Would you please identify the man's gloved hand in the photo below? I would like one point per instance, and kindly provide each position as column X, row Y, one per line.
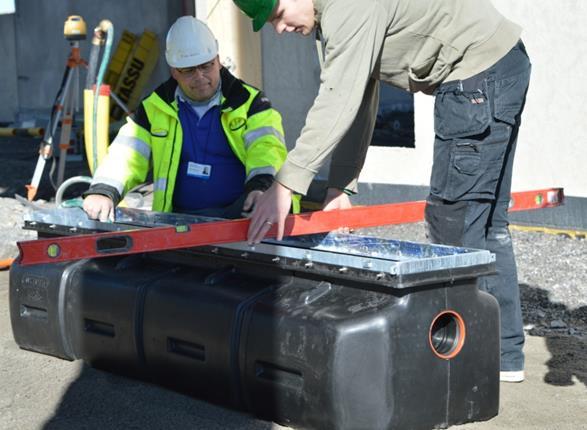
column 99, row 207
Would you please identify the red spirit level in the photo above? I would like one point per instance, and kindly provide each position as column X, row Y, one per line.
column 69, row 248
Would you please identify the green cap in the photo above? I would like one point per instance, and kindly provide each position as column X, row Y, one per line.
column 258, row 10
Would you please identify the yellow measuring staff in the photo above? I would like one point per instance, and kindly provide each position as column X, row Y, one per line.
column 119, row 58
column 136, row 72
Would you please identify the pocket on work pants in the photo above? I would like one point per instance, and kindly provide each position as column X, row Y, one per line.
column 510, row 97
column 469, row 147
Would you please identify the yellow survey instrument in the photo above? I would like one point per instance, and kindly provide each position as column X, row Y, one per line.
column 74, row 28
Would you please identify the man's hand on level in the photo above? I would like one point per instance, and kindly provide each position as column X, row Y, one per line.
column 99, row 207
column 270, row 209
column 251, row 202
column 336, row 199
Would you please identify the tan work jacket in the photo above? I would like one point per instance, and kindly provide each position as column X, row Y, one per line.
column 410, row 44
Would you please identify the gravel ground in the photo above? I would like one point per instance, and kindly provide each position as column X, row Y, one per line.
column 11, row 213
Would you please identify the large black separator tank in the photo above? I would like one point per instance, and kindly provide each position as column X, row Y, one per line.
column 319, row 332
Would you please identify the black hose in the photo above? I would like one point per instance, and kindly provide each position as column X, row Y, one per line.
column 97, row 42
column 92, row 66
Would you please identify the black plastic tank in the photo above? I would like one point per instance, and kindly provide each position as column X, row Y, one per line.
column 310, row 337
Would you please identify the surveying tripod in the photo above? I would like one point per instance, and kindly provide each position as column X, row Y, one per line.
column 66, row 103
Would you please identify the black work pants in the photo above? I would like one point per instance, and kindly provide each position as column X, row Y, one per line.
column 476, row 126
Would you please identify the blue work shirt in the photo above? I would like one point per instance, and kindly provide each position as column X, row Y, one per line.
column 209, row 174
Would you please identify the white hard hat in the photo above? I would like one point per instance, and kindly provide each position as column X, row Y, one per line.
column 189, row 43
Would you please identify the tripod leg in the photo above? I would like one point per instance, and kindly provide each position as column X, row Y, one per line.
column 32, row 188
column 66, row 126
column 46, row 149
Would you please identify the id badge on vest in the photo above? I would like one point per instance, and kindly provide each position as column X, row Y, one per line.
column 200, row 171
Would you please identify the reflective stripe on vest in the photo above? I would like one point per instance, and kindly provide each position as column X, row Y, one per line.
column 160, row 184
column 261, row 171
column 135, row 144
column 250, row 136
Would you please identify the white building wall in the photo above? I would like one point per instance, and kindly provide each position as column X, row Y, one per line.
column 552, row 146
column 553, row 142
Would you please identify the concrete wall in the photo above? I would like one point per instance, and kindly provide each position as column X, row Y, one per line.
column 8, row 83
column 552, row 149
column 41, row 49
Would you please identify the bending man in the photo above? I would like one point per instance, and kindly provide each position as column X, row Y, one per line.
column 466, row 54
